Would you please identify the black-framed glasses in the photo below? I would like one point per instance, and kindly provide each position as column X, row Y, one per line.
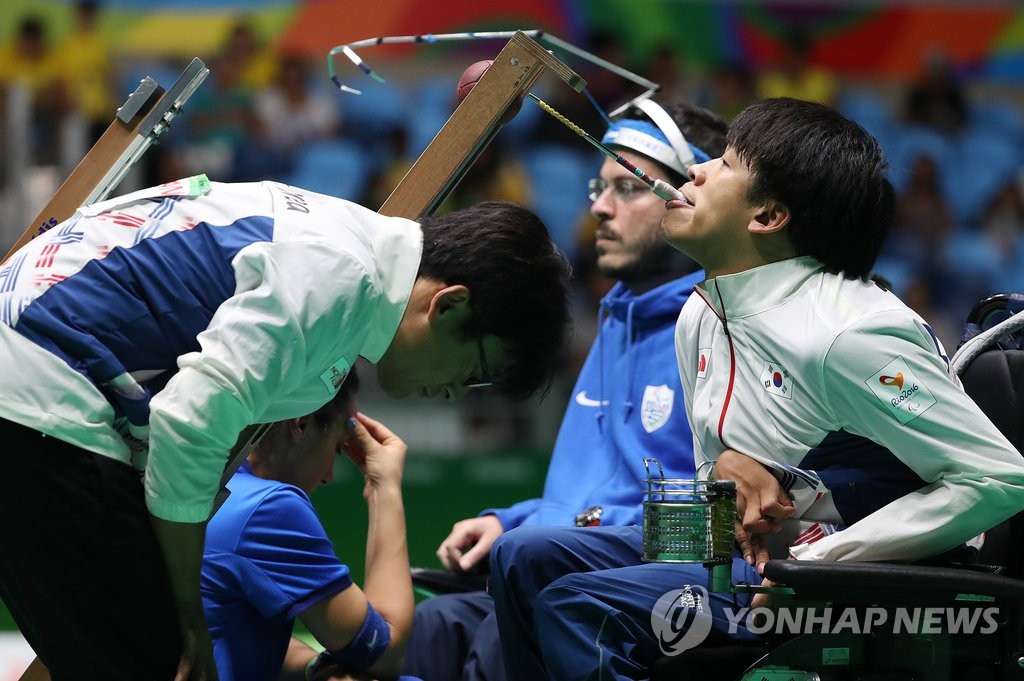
column 484, row 380
column 623, row 188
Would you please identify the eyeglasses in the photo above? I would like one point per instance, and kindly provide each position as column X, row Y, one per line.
column 625, row 190
column 484, row 380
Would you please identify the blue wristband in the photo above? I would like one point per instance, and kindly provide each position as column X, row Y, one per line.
column 366, row 648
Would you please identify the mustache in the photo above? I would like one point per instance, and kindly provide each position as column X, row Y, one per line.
column 604, row 232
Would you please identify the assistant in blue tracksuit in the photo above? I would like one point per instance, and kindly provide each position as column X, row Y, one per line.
column 626, row 405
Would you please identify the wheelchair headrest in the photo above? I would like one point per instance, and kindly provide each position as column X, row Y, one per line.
column 995, row 380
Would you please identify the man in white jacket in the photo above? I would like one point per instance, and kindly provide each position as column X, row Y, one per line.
column 827, row 400
column 142, row 335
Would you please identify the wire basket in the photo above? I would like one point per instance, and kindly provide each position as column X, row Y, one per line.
column 688, row 521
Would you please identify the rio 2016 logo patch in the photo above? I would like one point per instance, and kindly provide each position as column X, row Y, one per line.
column 900, row 391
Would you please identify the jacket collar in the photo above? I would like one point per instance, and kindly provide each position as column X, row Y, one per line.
column 397, row 247
column 760, row 288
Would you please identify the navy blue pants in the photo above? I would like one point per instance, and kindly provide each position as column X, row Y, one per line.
column 455, row 638
column 577, row 603
column 80, row 568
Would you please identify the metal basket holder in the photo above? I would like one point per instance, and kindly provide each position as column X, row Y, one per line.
column 694, row 521
column 690, row 521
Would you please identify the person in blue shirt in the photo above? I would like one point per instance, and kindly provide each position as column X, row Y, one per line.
column 268, row 560
column 627, row 403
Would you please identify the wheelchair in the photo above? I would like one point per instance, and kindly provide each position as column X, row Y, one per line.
column 966, row 587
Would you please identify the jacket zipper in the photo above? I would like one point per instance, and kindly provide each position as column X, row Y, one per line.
column 732, row 361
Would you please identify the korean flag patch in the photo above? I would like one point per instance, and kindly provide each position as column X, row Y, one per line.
column 776, row 380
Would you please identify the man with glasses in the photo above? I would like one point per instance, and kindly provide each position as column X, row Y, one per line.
column 139, row 338
column 627, row 403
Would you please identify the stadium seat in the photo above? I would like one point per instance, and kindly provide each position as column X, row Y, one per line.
column 338, row 168
column 433, row 101
column 558, row 178
column 999, row 118
column 908, row 143
column 373, row 114
column 869, row 110
column 985, row 162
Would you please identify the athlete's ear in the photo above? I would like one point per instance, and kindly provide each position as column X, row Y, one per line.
column 448, row 301
column 770, row 218
column 296, row 427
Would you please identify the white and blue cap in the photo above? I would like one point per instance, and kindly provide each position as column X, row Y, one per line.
column 661, row 140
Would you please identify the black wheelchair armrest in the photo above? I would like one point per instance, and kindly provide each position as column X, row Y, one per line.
column 446, row 581
column 890, row 582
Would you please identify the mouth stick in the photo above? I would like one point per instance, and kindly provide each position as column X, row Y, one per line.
column 661, row 189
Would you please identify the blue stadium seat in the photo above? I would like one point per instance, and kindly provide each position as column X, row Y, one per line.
column 908, row 142
column 373, row 114
column 1001, row 118
column 558, row 178
column 869, row 110
column 338, row 168
column 431, row 103
column 520, row 129
column 985, row 162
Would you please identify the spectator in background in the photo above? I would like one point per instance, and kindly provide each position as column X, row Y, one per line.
column 1002, row 224
column 396, row 163
column 496, row 176
column 666, row 69
column 257, row 65
column 924, row 219
column 914, row 255
column 290, row 114
column 730, row 90
column 220, row 118
column 919, row 296
column 936, row 99
column 291, row 111
column 796, row 75
column 29, row 62
column 603, row 85
column 990, row 259
column 85, row 64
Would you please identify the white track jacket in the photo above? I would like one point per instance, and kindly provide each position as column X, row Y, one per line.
column 846, row 395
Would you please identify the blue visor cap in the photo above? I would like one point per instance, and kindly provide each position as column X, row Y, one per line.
column 648, row 139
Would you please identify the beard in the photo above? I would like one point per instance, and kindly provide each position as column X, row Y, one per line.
column 652, row 261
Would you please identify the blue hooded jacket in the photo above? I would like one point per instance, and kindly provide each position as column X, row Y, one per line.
column 627, row 405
